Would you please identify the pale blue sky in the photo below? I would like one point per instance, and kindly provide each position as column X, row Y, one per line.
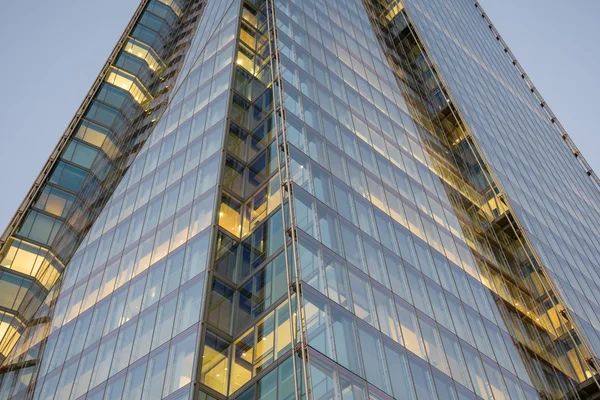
column 53, row 50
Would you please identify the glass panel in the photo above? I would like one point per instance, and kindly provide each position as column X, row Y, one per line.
column 364, row 306
column 135, row 381
column 346, row 341
column 214, row 363
column 181, row 363
column 423, row 380
column 400, row 372
column 373, row 358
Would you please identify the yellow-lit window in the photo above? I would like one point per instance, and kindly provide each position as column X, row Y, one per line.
column 246, row 61
column 241, row 364
column 55, row 205
column 130, row 83
column 274, row 195
column 250, row 17
column 91, row 133
column 262, row 204
column 265, row 340
column 248, row 36
column 54, row 201
column 49, row 274
column 8, row 334
column 230, row 215
column 394, row 9
column 214, row 363
column 145, row 52
column 258, row 347
column 283, row 335
column 30, row 259
column 99, row 137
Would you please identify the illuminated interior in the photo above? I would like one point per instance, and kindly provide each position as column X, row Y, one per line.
column 256, row 348
column 145, row 52
column 130, row 83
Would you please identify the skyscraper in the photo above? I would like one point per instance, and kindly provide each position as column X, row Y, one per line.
column 286, row 199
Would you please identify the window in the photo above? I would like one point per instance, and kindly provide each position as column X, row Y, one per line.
column 220, row 309
column 164, row 321
column 337, row 280
column 143, row 335
column 181, row 363
column 423, row 380
column 190, row 304
column 410, row 330
column 401, row 377
column 386, row 311
column 105, row 355
column 135, row 381
column 372, row 352
column 433, row 344
column 123, row 349
column 375, row 263
column 214, row 363
column 346, row 340
column 364, row 307
column 318, row 326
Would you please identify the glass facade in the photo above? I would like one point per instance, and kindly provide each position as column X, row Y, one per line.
column 342, row 199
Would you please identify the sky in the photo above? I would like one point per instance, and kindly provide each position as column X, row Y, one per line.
column 53, row 50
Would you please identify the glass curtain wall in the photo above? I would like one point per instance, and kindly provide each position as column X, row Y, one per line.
column 404, row 265
column 126, row 321
column 250, row 316
column 108, row 130
column 313, row 216
column 553, row 197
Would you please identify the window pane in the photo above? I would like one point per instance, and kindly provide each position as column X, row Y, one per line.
column 337, row 280
column 143, row 335
column 372, row 352
column 318, row 326
column 190, row 304
column 346, row 343
column 423, row 380
column 123, row 349
column 364, row 306
column 164, row 321
column 400, row 372
column 135, row 382
column 214, row 363
column 181, row 363
column 410, row 330
column 386, row 312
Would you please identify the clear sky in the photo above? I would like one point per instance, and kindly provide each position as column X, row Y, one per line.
column 53, row 50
